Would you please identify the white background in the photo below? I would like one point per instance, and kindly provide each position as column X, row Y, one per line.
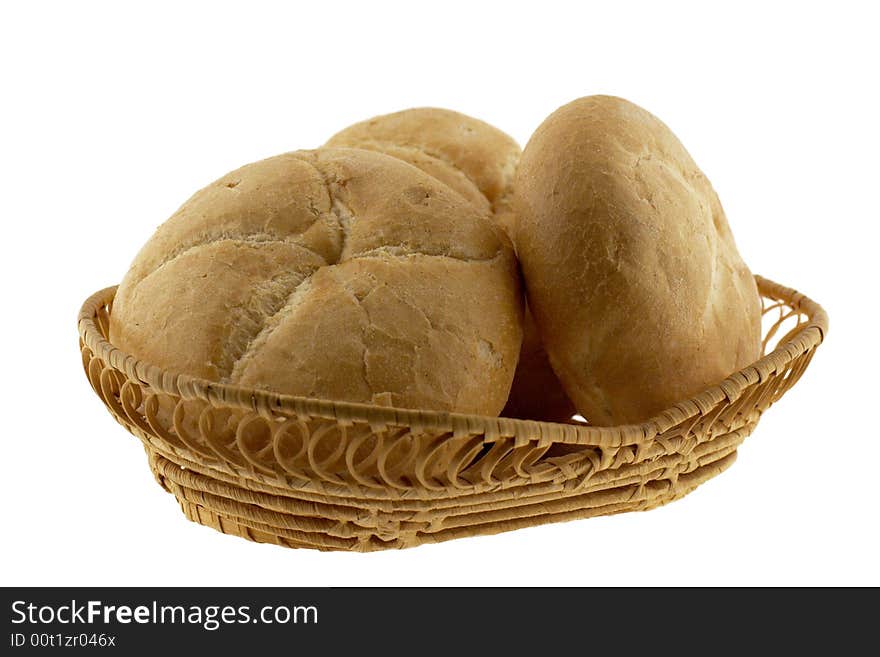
column 112, row 116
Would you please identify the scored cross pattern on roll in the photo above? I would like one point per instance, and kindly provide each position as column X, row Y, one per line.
column 336, row 273
column 479, row 162
column 380, row 269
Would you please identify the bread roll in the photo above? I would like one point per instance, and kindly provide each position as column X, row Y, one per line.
column 337, row 273
column 479, row 162
column 630, row 267
column 470, row 156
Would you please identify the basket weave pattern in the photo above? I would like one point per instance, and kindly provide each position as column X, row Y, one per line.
column 330, row 475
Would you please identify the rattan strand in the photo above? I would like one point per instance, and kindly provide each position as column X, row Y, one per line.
column 330, row 475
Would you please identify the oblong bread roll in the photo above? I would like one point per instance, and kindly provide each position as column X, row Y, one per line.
column 630, row 267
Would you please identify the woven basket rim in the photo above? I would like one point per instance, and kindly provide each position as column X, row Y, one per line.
column 809, row 335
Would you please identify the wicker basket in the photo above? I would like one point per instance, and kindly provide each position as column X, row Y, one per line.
column 302, row 472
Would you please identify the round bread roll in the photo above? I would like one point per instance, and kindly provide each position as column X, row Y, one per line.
column 472, row 157
column 479, row 162
column 630, row 268
column 337, row 273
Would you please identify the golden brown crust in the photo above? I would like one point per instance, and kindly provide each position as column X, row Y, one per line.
column 459, row 150
column 335, row 273
column 630, row 267
column 479, row 162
